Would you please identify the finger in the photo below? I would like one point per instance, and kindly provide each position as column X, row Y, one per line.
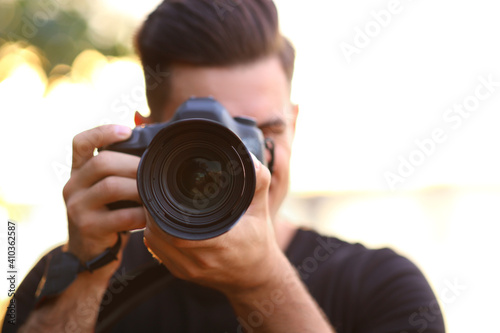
column 111, row 189
column 125, row 219
column 97, row 230
column 107, row 163
column 262, row 175
column 178, row 264
column 184, row 245
column 263, row 181
column 86, row 142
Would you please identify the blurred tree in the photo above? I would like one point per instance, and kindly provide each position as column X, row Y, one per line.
column 59, row 28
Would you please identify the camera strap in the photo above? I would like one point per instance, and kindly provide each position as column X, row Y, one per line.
column 270, row 147
column 63, row 268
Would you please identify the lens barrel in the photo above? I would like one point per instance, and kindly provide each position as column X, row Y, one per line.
column 196, row 179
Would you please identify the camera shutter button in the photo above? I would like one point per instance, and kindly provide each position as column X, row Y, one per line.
column 246, row 120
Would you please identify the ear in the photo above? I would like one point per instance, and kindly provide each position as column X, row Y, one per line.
column 294, row 115
column 139, row 119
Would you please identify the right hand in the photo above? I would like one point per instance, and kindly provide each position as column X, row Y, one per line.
column 96, row 181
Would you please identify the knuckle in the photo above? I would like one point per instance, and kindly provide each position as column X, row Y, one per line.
column 78, row 138
column 84, row 223
column 89, row 140
column 96, row 136
column 81, row 147
column 263, row 179
column 67, row 191
column 109, row 185
column 100, row 162
column 105, row 185
column 72, row 208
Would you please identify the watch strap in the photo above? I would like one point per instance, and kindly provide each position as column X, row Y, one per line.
column 63, row 268
column 109, row 255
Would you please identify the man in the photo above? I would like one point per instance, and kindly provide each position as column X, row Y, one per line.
column 264, row 275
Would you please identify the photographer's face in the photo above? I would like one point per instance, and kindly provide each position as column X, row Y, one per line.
column 259, row 90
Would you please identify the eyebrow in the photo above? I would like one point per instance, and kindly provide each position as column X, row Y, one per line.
column 275, row 122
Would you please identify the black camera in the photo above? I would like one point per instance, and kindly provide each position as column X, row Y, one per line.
column 196, row 176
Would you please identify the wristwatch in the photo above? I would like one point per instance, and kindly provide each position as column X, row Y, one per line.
column 63, row 268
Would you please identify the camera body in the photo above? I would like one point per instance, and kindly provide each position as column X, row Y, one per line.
column 204, row 109
column 196, row 176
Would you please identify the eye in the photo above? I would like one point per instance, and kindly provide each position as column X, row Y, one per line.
column 272, row 131
column 273, row 128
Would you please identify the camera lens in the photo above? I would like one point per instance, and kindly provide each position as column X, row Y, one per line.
column 197, row 175
column 196, row 179
column 200, row 178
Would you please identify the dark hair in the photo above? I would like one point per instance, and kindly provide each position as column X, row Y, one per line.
column 207, row 33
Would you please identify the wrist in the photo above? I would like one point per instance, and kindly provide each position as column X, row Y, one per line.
column 76, row 307
column 278, row 276
column 63, row 268
column 281, row 305
column 87, row 250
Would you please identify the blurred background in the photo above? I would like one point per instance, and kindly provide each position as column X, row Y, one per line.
column 396, row 143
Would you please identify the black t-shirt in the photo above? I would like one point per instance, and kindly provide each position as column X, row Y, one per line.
column 359, row 289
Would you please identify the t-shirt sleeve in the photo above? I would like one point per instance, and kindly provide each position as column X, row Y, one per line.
column 395, row 297
column 24, row 298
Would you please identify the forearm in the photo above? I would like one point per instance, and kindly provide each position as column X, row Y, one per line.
column 76, row 309
column 284, row 305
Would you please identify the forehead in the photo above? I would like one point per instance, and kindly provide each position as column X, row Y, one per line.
column 259, row 90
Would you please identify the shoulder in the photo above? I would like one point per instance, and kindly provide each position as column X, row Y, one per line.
column 310, row 250
column 362, row 289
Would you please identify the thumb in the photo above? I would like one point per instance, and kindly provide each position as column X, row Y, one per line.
column 262, row 178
